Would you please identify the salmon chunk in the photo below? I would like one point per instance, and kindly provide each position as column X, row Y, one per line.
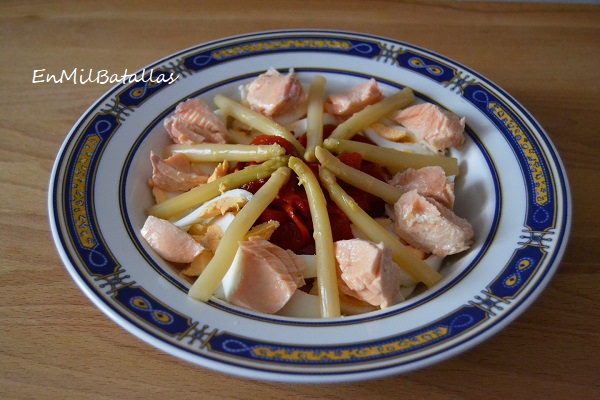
column 346, row 103
column 438, row 128
column 277, row 96
column 175, row 173
column 367, row 272
column 170, row 242
column 427, row 225
column 428, row 182
column 193, row 122
column 263, row 276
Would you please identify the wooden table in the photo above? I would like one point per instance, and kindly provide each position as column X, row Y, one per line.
column 55, row 344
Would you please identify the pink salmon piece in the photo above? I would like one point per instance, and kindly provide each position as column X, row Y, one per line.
column 439, row 128
column 351, row 101
column 428, row 182
column 367, row 272
column 193, row 123
column 170, row 242
column 175, row 173
column 268, row 276
column 276, row 95
column 428, row 225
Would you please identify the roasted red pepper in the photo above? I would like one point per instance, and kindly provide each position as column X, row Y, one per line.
column 290, row 234
column 291, row 208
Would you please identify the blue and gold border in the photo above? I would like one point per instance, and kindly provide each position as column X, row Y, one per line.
column 72, row 200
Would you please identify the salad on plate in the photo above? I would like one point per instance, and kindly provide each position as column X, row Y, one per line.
column 296, row 201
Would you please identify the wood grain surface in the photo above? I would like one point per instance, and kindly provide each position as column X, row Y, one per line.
column 54, row 343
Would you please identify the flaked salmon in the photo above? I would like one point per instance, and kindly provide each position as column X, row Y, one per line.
column 263, row 276
column 175, row 173
column 348, row 102
column 277, row 96
column 438, row 128
column 193, row 122
column 367, row 272
column 170, row 242
column 426, row 224
column 428, row 181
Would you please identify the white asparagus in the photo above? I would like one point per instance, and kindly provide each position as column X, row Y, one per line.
column 392, row 158
column 256, row 120
column 415, row 267
column 195, row 197
column 314, row 116
column 325, row 253
column 390, row 194
column 373, row 113
column 230, row 152
column 206, row 284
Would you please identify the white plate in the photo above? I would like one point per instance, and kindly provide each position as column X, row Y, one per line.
column 512, row 188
